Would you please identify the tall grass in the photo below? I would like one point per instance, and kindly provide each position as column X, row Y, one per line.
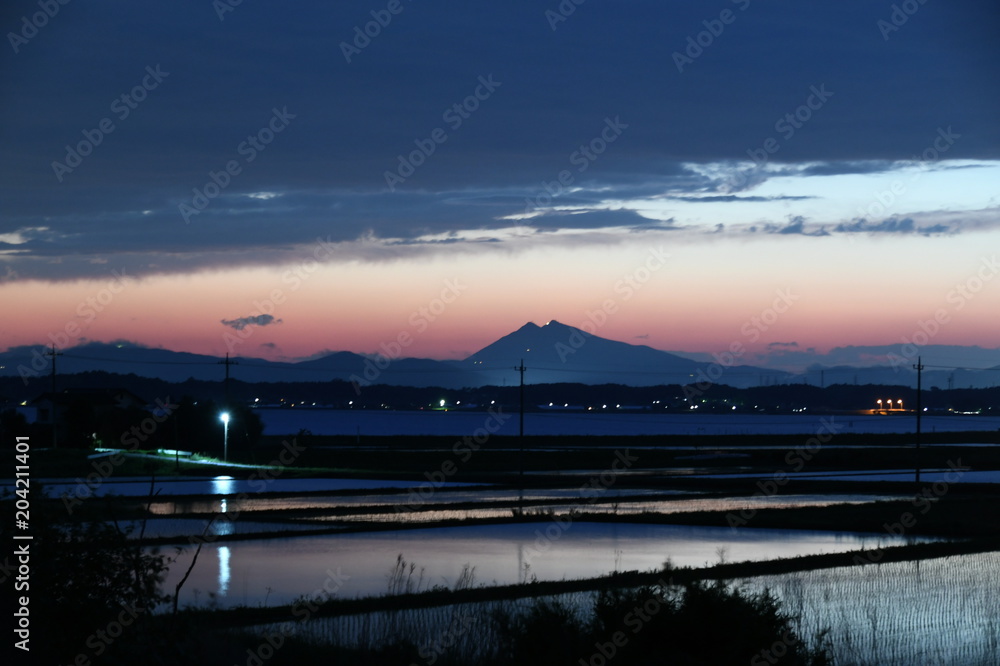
column 940, row 611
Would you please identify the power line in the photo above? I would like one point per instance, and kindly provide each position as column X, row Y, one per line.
column 55, row 407
column 228, row 363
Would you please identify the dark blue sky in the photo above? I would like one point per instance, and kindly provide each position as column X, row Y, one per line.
column 224, row 77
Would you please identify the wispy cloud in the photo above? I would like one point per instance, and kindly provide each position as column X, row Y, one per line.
column 258, row 320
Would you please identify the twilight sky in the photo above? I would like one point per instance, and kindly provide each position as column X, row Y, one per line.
column 793, row 177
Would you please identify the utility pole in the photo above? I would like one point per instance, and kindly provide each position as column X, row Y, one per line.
column 228, row 363
column 55, row 407
column 228, row 410
column 919, row 367
column 520, row 456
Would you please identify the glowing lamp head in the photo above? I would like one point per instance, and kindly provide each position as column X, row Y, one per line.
column 224, row 417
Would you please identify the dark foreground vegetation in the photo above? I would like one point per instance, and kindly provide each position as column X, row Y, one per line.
column 97, row 592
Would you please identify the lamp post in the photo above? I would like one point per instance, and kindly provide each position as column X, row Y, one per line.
column 225, row 435
column 879, row 401
column 900, row 403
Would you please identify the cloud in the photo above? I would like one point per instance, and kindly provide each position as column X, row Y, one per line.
column 893, row 226
column 688, row 139
column 731, row 198
column 797, row 226
column 848, row 167
column 590, row 219
column 254, row 320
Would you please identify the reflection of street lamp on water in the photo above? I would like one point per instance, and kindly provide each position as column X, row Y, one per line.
column 225, row 435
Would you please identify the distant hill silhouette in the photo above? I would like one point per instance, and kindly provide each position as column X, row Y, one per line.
column 553, row 353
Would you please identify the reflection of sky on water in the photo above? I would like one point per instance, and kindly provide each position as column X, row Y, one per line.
column 188, row 527
column 625, row 507
column 377, row 499
column 934, row 611
column 500, row 553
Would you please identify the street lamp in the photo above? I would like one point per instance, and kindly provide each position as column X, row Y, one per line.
column 879, row 401
column 900, row 403
column 225, row 435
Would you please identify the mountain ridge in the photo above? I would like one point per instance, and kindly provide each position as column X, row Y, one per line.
column 552, row 353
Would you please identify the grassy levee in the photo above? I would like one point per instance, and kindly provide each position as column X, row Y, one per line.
column 246, row 616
